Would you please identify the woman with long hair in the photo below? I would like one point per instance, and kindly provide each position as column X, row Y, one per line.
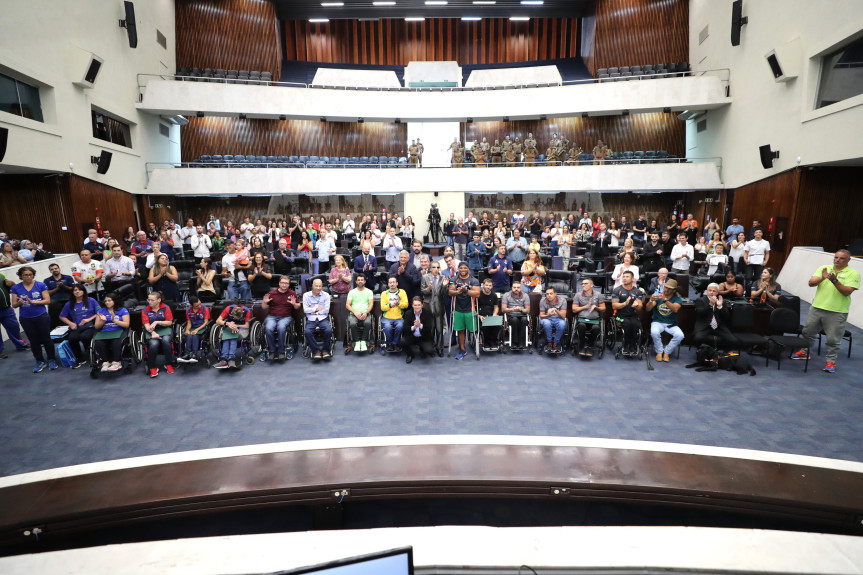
column 407, row 228
column 163, row 277
column 9, row 256
column 627, row 265
column 735, row 254
column 79, row 314
column 596, row 223
column 628, row 248
column 340, row 276
column 532, row 271
column 205, row 280
column 157, row 322
column 111, row 317
column 715, row 239
column 766, row 289
column 565, row 242
column 368, row 238
column 258, row 248
column 614, row 232
column 129, row 237
column 32, row 299
column 259, row 276
column 306, row 245
column 584, row 233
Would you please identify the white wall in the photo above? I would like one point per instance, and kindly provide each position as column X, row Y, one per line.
column 419, row 204
column 767, row 112
column 44, row 43
column 168, row 96
column 436, row 138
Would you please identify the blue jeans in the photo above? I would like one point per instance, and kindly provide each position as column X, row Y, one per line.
column 9, row 320
column 193, row 343
column 392, row 330
column 324, row 325
column 276, row 325
column 229, row 348
column 656, row 329
column 239, row 290
column 556, row 322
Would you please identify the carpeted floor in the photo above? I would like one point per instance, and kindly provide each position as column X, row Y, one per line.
column 60, row 418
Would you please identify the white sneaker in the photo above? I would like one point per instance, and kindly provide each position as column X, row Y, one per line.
column 106, row 366
column 116, row 366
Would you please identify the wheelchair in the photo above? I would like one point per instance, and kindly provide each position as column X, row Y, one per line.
column 598, row 346
column 544, row 346
column 497, row 344
column 131, row 354
column 248, row 344
column 203, row 353
column 371, row 339
column 289, row 344
column 508, row 334
column 615, row 339
column 176, row 331
column 381, row 339
column 318, row 335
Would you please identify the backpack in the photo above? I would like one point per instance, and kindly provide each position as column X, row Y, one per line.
column 65, row 357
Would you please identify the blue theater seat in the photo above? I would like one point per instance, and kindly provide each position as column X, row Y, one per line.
column 303, row 159
column 638, row 156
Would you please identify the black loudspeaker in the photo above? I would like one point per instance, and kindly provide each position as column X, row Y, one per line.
column 129, row 24
column 737, row 21
column 4, row 138
column 774, row 66
column 767, row 156
column 103, row 161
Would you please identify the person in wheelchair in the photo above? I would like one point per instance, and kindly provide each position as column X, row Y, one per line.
column 316, row 306
column 79, row 314
column 463, row 287
column 236, row 320
column 393, row 303
column 552, row 317
column 488, row 306
column 112, row 324
column 280, row 303
column 664, row 307
column 197, row 320
column 158, row 321
column 587, row 305
column 419, row 332
column 626, row 301
column 516, row 307
column 359, row 305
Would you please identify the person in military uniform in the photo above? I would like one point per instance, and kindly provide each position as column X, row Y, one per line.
column 496, row 153
column 554, row 141
column 530, row 142
column 530, row 156
column 420, row 149
column 600, row 151
column 574, row 152
column 480, row 156
column 509, row 156
column 485, row 146
column 517, row 148
column 551, row 156
column 454, row 146
column 506, row 145
column 413, row 153
column 458, row 157
column 562, row 146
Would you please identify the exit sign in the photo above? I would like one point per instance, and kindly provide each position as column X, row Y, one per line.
column 163, row 205
column 708, row 200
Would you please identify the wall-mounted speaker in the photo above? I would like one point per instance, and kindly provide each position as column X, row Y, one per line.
column 4, row 138
column 91, row 64
column 102, row 161
column 129, row 24
column 737, row 21
column 784, row 61
column 767, row 156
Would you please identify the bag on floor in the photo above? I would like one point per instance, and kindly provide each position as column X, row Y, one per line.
column 65, row 357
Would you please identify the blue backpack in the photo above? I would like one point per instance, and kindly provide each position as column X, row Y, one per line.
column 65, row 357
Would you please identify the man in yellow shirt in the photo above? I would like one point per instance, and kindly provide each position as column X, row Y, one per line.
column 393, row 303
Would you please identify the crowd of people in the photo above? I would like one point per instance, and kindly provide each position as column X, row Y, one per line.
column 515, row 152
column 14, row 252
column 490, row 265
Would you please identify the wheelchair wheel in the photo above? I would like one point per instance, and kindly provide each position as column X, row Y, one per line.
column 128, row 368
column 256, row 338
column 250, row 360
column 215, row 337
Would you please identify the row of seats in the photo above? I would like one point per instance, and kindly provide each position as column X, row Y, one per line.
column 224, row 76
column 586, row 159
column 624, row 73
column 241, row 161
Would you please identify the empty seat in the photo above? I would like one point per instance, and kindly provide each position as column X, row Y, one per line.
column 354, row 160
column 638, row 156
column 614, row 75
column 325, row 159
column 650, row 155
column 314, row 159
column 635, row 70
column 603, row 76
column 628, row 157
column 403, row 162
column 206, row 159
column 239, row 159
column 229, row 159
column 364, row 159
column 662, row 155
column 626, row 74
column 254, row 74
column 647, row 68
column 671, row 67
column 220, row 71
column 373, row 159
column 234, row 72
column 208, row 70
column 624, row 70
column 614, row 70
column 602, row 71
column 303, row 159
column 293, row 159
column 271, row 159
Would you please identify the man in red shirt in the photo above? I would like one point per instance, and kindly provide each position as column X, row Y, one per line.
column 280, row 303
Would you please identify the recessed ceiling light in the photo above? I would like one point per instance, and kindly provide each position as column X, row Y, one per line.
column 470, row 18
column 415, row 19
column 332, row 4
column 436, row 2
column 383, row 3
column 519, row 18
column 319, row 20
column 531, row 2
column 480, row 2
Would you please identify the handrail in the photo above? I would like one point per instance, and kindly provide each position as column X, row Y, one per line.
column 585, row 81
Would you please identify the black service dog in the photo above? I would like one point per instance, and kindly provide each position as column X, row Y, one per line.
column 709, row 359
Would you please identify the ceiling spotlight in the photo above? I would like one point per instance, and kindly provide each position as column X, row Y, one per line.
column 667, row 110
column 383, row 3
column 531, row 2
column 585, row 115
column 200, row 114
column 436, row 2
column 242, row 116
column 360, row 120
column 626, row 112
column 332, row 4
column 506, row 118
column 486, row 2
column 519, row 18
column 282, row 117
column 470, row 18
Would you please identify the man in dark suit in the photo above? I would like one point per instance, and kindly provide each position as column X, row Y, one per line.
column 711, row 320
column 283, row 258
column 367, row 265
column 407, row 275
column 418, row 330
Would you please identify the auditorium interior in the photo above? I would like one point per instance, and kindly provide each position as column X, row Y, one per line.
column 501, row 463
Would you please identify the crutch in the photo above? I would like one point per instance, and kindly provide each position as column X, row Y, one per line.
column 450, row 326
column 476, row 324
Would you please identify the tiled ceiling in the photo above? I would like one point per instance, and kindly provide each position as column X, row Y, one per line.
column 356, row 9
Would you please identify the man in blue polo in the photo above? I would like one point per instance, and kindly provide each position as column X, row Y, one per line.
column 500, row 269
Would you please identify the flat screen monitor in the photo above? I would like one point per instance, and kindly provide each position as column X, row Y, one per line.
column 393, row 562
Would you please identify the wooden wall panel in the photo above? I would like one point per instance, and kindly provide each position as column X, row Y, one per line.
column 638, row 32
column 390, row 42
column 37, row 208
column 291, row 137
column 229, row 34
column 829, row 207
column 588, row 37
column 656, row 131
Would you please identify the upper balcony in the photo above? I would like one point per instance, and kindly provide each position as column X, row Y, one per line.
column 165, row 95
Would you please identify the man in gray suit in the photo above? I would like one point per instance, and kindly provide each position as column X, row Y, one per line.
column 433, row 287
